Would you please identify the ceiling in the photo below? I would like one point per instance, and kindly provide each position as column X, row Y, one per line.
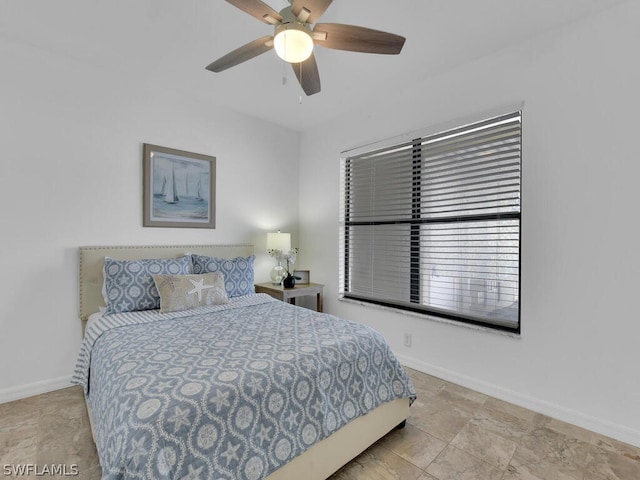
column 170, row 42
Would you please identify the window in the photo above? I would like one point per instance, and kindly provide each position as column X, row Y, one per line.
column 432, row 225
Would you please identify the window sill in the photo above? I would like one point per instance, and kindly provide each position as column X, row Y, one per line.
column 430, row 317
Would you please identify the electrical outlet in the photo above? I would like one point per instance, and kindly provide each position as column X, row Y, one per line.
column 407, row 340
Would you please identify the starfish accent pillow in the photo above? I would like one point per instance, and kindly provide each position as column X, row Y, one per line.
column 182, row 292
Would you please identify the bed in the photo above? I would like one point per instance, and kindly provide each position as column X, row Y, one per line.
column 250, row 388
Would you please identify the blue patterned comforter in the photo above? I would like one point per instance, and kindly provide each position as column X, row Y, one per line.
column 228, row 392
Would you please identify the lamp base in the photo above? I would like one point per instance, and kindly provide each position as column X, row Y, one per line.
column 277, row 274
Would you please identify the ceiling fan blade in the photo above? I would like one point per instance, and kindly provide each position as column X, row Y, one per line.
column 315, row 9
column 259, row 10
column 307, row 74
column 242, row 54
column 357, row 39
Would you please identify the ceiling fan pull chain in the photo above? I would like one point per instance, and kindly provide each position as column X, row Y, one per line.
column 300, row 97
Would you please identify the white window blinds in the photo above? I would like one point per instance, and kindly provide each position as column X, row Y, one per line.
column 433, row 225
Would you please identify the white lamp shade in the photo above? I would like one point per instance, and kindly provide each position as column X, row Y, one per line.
column 293, row 43
column 279, row 241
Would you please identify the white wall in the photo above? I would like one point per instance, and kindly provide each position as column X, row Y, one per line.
column 577, row 358
column 71, row 174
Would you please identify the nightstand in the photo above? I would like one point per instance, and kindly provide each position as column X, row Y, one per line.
column 289, row 294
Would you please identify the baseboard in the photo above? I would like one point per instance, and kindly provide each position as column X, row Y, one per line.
column 36, row 388
column 603, row 427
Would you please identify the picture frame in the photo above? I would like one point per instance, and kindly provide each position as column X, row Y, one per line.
column 303, row 275
column 178, row 188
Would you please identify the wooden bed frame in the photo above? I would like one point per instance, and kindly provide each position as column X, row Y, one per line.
column 321, row 460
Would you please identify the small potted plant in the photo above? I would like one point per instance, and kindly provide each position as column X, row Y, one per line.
column 289, row 280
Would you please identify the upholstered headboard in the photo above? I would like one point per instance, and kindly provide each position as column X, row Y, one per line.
column 92, row 260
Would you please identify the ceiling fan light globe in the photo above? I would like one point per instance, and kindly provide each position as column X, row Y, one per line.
column 293, row 43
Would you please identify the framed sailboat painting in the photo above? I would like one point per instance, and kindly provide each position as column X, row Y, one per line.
column 178, row 188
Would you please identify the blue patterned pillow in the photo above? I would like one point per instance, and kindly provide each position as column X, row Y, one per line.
column 129, row 284
column 238, row 272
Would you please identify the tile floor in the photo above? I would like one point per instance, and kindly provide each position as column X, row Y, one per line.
column 453, row 433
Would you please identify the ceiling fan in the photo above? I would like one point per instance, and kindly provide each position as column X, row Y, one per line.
column 296, row 32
